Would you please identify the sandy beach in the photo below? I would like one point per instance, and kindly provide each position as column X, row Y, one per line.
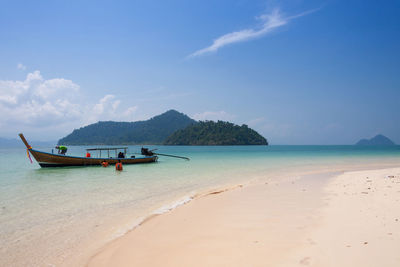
column 199, row 133
column 325, row 219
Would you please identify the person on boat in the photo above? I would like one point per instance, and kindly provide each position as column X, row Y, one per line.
column 121, row 155
column 62, row 149
column 88, row 155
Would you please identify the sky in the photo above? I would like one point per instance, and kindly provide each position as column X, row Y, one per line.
column 298, row 72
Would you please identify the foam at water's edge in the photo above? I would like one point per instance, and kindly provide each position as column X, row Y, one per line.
column 125, row 229
column 166, row 208
column 173, row 205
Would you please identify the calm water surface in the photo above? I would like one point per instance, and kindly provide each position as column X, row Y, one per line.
column 47, row 215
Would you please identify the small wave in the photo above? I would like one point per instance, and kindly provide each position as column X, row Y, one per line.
column 173, row 205
column 166, row 208
column 123, row 230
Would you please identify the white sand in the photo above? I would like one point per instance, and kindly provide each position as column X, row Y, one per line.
column 361, row 223
column 351, row 221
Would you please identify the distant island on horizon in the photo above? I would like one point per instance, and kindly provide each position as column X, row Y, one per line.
column 378, row 140
column 169, row 128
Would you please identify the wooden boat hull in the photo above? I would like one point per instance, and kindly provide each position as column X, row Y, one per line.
column 56, row 160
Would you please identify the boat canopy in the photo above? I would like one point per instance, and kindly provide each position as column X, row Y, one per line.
column 108, row 149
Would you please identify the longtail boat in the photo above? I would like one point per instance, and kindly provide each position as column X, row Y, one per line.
column 59, row 160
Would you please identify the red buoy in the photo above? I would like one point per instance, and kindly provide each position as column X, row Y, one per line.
column 104, row 164
column 118, row 166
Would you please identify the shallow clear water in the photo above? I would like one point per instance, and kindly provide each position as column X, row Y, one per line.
column 48, row 214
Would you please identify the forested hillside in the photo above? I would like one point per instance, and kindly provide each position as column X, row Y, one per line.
column 152, row 131
column 216, row 133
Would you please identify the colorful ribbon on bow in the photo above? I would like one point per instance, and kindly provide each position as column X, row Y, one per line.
column 28, row 154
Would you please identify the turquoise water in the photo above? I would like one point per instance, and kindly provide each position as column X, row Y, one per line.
column 47, row 215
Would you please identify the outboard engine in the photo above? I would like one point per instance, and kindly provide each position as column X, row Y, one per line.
column 146, row 152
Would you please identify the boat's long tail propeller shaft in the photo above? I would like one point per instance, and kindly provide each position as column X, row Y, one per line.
column 173, row 156
column 147, row 152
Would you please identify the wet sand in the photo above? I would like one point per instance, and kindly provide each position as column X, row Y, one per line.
column 349, row 219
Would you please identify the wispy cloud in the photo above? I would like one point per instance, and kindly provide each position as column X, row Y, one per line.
column 21, row 66
column 270, row 22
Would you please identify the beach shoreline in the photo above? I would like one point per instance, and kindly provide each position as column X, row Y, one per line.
column 62, row 217
column 303, row 200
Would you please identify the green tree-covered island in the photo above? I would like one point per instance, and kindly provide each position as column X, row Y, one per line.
column 169, row 128
column 216, row 133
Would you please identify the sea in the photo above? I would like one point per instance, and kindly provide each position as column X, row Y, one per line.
column 61, row 216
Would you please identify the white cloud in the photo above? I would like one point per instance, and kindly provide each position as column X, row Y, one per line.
column 106, row 109
column 269, row 22
column 36, row 101
column 21, row 66
column 53, row 105
column 100, row 107
column 129, row 112
column 55, row 88
column 255, row 122
column 213, row 115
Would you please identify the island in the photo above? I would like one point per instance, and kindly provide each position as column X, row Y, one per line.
column 152, row 131
column 169, row 128
column 379, row 140
column 216, row 133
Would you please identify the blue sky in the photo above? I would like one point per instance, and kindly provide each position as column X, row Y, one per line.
column 299, row 72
